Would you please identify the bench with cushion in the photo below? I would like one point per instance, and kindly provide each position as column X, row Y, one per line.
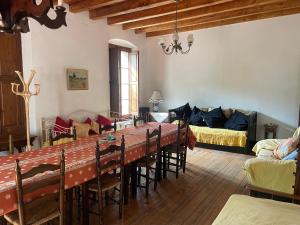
column 270, row 174
column 224, row 129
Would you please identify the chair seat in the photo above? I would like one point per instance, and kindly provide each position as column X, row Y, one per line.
column 109, row 181
column 173, row 149
column 37, row 212
column 142, row 162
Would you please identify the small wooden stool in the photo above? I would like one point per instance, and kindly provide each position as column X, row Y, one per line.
column 270, row 128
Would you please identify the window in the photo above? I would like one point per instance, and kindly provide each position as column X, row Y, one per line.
column 123, row 80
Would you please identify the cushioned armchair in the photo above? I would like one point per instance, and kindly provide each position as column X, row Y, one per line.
column 267, row 174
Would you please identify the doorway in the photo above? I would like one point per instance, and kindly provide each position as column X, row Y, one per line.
column 124, row 80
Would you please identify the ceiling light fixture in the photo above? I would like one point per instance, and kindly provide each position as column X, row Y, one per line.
column 14, row 15
column 176, row 45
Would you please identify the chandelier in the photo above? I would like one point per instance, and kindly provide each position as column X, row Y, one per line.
column 176, row 45
column 14, row 15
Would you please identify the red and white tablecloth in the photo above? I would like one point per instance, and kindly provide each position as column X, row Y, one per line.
column 80, row 160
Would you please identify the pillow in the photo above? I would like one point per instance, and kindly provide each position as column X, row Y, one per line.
column 285, row 147
column 182, row 111
column 196, row 118
column 82, row 129
column 237, row 121
column 102, row 120
column 94, row 126
column 61, row 126
column 227, row 113
column 292, row 156
column 297, row 133
column 214, row 118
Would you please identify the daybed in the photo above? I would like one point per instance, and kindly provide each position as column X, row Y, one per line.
column 237, row 137
column 80, row 117
column 245, row 210
column 269, row 174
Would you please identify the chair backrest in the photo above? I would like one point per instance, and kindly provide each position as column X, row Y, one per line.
column 153, row 143
column 182, row 135
column 114, row 162
column 60, row 136
column 52, row 181
column 142, row 119
column 108, row 127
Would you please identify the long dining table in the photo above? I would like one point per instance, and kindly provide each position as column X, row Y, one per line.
column 80, row 160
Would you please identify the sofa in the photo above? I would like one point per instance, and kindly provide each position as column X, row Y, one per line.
column 219, row 135
column 269, row 173
column 85, row 122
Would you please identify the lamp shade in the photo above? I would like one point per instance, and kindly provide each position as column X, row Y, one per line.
column 156, row 97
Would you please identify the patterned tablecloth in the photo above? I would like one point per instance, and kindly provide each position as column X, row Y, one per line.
column 80, row 161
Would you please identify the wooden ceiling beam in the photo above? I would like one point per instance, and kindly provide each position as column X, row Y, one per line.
column 121, row 7
column 229, row 21
column 161, row 10
column 70, row 1
column 84, row 5
column 194, row 13
column 226, row 15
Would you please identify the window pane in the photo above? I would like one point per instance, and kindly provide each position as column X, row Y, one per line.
column 134, row 98
column 124, row 76
column 125, row 107
column 124, row 59
column 125, row 91
column 133, row 67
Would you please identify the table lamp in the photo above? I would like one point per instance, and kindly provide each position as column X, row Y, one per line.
column 155, row 99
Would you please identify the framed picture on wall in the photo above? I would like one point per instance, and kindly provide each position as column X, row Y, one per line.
column 77, row 79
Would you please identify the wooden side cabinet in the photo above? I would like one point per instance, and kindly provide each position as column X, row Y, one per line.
column 271, row 129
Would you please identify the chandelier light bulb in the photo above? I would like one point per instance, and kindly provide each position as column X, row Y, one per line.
column 190, row 38
column 161, row 41
column 175, row 37
column 60, row 3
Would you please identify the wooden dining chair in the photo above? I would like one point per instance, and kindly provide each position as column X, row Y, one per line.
column 110, row 176
column 152, row 157
column 44, row 209
column 177, row 152
column 140, row 119
column 60, row 136
column 11, row 147
column 108, row 127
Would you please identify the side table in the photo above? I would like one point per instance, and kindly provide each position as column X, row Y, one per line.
column 18, row 141
column 161, row 117
column 270, row 129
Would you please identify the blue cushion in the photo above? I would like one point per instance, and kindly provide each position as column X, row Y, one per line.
column 214, row 118
column 182, row 112
column 196, row 118
column 237, row 121
column 292, row 156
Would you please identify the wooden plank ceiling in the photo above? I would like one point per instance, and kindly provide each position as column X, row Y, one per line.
column 157, row 17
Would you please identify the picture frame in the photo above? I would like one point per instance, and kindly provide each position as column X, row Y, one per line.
column 77, row 79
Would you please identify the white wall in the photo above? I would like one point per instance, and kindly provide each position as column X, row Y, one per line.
column 83, row 45
column 252, row 66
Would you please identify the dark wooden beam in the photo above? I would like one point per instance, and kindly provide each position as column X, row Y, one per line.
column 194, row 13
column 226, row 15
column 70, row 1
column 161, row 10
column 241, row 19
column 84, row 5
column 121, row 7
